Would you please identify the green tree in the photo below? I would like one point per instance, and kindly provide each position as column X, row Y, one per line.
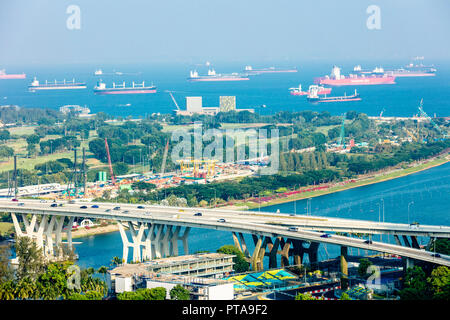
column 7, row 290
column 30, row 258
column 103, row 270
column 25, row 288
column 240, row 264
column 304, row 296
column 345, row 296
column 362, row 268
column 179, row 293
column 439, row 282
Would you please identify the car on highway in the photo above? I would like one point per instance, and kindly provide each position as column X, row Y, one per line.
column 125, row 211
column 436, row 255
column 83, row 207
column 198, row 214
column 325, row 235
column 181, row 210
column 60, row 204
column 221, row 220
column 94, row 206
column 414, row 225
column 116, row 208
column 293, row 229
column 54, row 205
column 71, row 201
column 21, row 204
column 140, row 207
column 108, row 210
column 368, row 241
column 14, row 199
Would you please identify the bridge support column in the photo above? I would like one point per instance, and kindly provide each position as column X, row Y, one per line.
column 46, row 233
column 409, row 263
column 284, row 252
column 297, row 251
column 135, row 243
column 150, row 241
column 344, row 264
column 414, row 242
column 313, row 251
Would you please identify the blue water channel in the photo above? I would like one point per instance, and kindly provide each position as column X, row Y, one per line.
column 422, row 197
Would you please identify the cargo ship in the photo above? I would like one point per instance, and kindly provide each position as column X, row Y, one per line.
column 62, row 85
column 4, row 75
column 336, row 79
column 314, row 97
column 298, row 91
column 411, row 70
column 136, row 88
column 251, row 71
column 213, row 76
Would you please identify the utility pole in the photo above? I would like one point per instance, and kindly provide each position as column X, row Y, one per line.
column 84, row 172
column 15, row 177
column 75, row 182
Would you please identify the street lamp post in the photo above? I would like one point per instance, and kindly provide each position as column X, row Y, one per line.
column 412, row 202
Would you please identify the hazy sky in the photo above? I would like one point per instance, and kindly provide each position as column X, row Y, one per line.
column 35, row 31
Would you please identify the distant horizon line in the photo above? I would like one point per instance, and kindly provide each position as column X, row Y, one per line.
column 200, row 62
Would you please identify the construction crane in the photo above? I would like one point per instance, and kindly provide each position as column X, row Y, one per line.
column 411, row 135
column 424, row 114
column 163, row 165
column 113, row 178
column 341, row 142
column 173, row 99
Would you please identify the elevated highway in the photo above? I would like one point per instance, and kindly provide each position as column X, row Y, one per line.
column 146, row 224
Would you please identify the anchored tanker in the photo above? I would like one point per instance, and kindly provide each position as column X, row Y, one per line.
column 314, row 97
column 4, row 75
column 136, row 88
column 213, row 76
column 62, row 85
column 408, row 71
column 336, row 79
column 250, row 70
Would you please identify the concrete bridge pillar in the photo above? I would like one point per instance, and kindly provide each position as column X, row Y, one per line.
column 344, row 264
column 46, row 233
column 150, row 241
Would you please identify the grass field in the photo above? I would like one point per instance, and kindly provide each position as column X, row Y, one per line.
column 5, row 227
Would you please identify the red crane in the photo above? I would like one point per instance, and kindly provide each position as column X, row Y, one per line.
column 113, row 179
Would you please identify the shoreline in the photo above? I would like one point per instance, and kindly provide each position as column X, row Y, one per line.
column 81, row 232
column 375, row 178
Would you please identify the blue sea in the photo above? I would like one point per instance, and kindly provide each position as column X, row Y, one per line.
column 271, row 90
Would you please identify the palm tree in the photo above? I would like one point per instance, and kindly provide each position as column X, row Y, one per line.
column 103, row 270
column 116, row 261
